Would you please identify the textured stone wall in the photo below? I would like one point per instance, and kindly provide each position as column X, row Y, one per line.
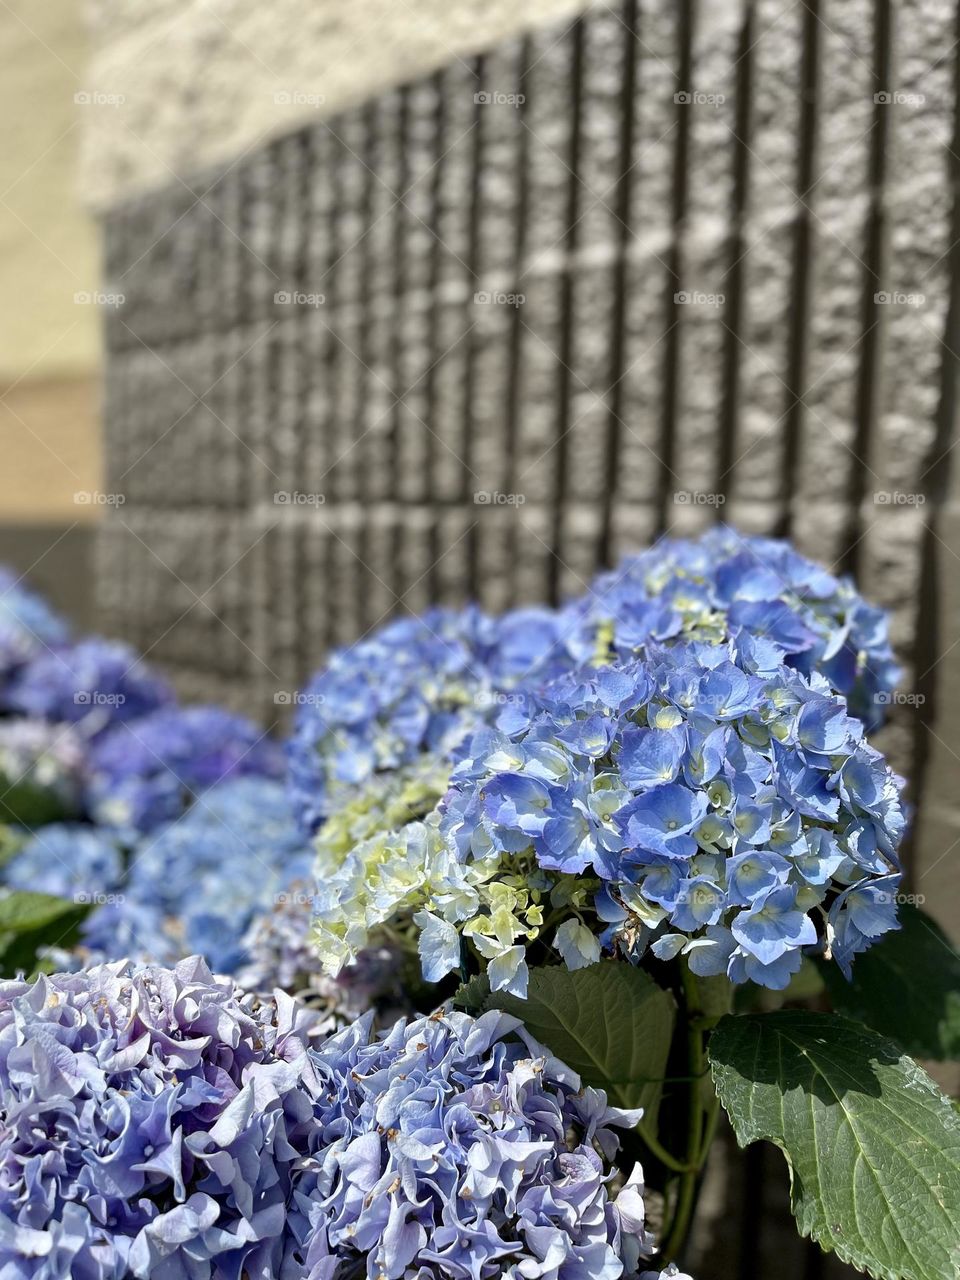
column 180, row 84
column 485, row 331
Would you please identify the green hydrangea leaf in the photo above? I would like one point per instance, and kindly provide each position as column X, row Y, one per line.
column 873, row 1146
column 609, row 1021
column 27, row 804
column 32, row 921
column 472, row 996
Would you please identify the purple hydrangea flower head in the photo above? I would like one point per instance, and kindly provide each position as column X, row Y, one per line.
column 416, row 685
column 145, row 771
column 151, row 1123
column 93, row 683
column 453, row 1147
column 777, row 605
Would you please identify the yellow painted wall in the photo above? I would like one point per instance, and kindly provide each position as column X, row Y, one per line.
column 49, row 335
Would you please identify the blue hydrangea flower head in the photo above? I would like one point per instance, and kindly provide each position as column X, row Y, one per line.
column 196, row 884
column 145, row 771
column 27, row 626
column 416, row 685
column 678, row 804
column 777, row 605
column 93, row 683
column 737, row 818
column 125, row 926
column 68, row 860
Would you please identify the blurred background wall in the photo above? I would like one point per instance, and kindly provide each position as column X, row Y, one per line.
column 50, row 352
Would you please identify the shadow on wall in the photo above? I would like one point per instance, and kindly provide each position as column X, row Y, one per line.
column 57, row 561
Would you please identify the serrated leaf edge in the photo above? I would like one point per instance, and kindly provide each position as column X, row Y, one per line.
column 916, row 1078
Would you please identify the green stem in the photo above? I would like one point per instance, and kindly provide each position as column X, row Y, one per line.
column 662, row 1154
column 710, row 1128
column 698, row 1134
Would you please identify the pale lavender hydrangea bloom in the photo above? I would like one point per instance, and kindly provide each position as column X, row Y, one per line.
column 151, row 1124
column 157, row 1124
column 454, row 1147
